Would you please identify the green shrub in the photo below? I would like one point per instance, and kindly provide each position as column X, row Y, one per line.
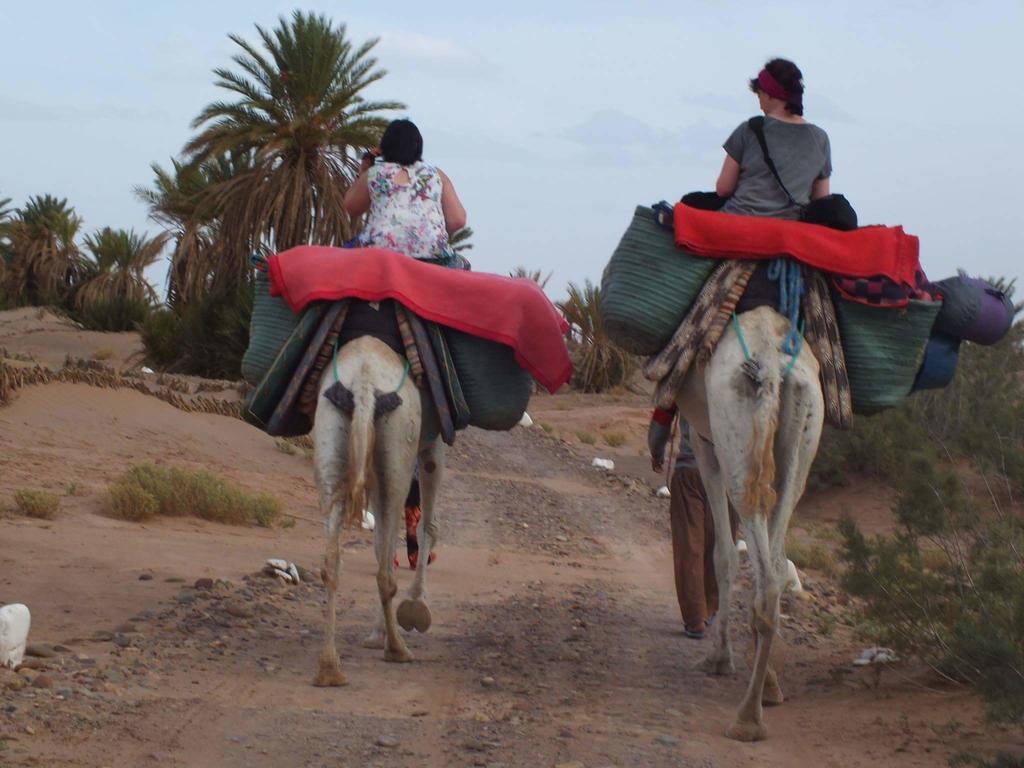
column 113, row 315
column 130, row 501
column 949, row 586
column 39, row 504
column 206, row 338
column 147, row 490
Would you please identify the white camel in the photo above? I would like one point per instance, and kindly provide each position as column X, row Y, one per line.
column 763, row 416
column 367, row 438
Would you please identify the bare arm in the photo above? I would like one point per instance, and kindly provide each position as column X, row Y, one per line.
column 728, row 178
column 451, row 206
column 820, row 188
column 357, row 199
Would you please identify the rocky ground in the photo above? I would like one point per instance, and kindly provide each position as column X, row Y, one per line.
column 556, row 639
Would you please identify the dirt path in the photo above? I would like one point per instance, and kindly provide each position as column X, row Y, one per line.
column 555, row 640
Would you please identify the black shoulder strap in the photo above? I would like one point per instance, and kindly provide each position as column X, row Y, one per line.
column 757, row 126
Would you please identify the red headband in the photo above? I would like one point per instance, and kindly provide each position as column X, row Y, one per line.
column 771, row 86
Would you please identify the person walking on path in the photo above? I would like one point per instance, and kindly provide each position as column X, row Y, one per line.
column 693, row 531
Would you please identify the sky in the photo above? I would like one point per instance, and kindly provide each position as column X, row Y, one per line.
column 555, row 119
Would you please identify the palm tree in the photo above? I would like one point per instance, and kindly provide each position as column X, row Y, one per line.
column 598, row 362
column 299, row 109
column 45, row 262
column 180, row 201
column 5, row 246
column 119, row 261
column 459, row 241
column 532, row 274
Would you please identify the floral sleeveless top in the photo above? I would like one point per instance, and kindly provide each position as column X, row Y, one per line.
column 406, row 218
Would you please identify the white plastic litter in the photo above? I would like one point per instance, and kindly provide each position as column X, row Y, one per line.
column 15, row 620
column 741, row 546
column 793, row 578
column 147, row 370
column 664, row 492
column 526, row 421
column 603, row 464
column 276, row 562
column 369, row 521
column 294, row 573
column 284, row 575
column 875, row 655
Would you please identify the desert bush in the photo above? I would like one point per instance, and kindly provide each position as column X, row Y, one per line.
column 130, row 501
column 599, row 364
column 979, row 417
column 147, row 490
column 206, row 338
column 115, row 314
column 811, row 555
column 948, row 587
column 613, row 439
column 38, row 504
column 586, row 438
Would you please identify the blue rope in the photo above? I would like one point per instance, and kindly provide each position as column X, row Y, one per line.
column 790, row 278
column 739, row 335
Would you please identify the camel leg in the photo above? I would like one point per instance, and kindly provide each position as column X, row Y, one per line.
column 719, row 659
column 329, row 471
column 749, row 723
column 385, row 536
column 796, row 443
column 414, row 612
column 376, row 639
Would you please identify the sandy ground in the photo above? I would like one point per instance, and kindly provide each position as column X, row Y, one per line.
column 34, row 334
column 556, row 638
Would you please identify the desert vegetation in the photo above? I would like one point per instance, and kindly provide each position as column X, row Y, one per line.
column 146, row 491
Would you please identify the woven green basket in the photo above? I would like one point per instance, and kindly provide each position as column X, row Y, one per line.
column 497, row 390
column 261, row 401
column 648, row 286
column 271, row 324
column 883, row 349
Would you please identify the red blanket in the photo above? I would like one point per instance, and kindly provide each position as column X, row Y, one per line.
column 511, row 311
column 864, row 252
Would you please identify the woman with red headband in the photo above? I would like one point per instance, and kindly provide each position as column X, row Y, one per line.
column 800, row 151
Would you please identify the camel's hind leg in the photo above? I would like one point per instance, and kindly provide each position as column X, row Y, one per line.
column 800, row 421
column 329, row 471
column 719, row 659
column 413, row 612
column 385, row 535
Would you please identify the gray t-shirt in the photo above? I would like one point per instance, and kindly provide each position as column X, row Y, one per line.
column 801, row 154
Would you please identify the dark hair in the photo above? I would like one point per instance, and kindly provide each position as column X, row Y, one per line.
column 401, row 143
column 789, row 77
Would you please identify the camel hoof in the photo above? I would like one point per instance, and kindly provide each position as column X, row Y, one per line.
column 329, row 676
column 398, row 656
column 414, row 614
column 374, row 641
column 718, row 666
column 771, row 695
column 745, row 731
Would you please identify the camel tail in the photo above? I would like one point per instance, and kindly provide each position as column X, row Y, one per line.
column 763, row 369
column 361, row 437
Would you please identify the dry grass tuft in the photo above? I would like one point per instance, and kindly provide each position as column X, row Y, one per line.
column 147, row 490
column 103, row 353
column 586, row 437
column 811, row 555
column 38, row 504
column 613, row 439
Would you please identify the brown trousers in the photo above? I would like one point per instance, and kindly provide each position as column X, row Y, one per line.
column 693, row 547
